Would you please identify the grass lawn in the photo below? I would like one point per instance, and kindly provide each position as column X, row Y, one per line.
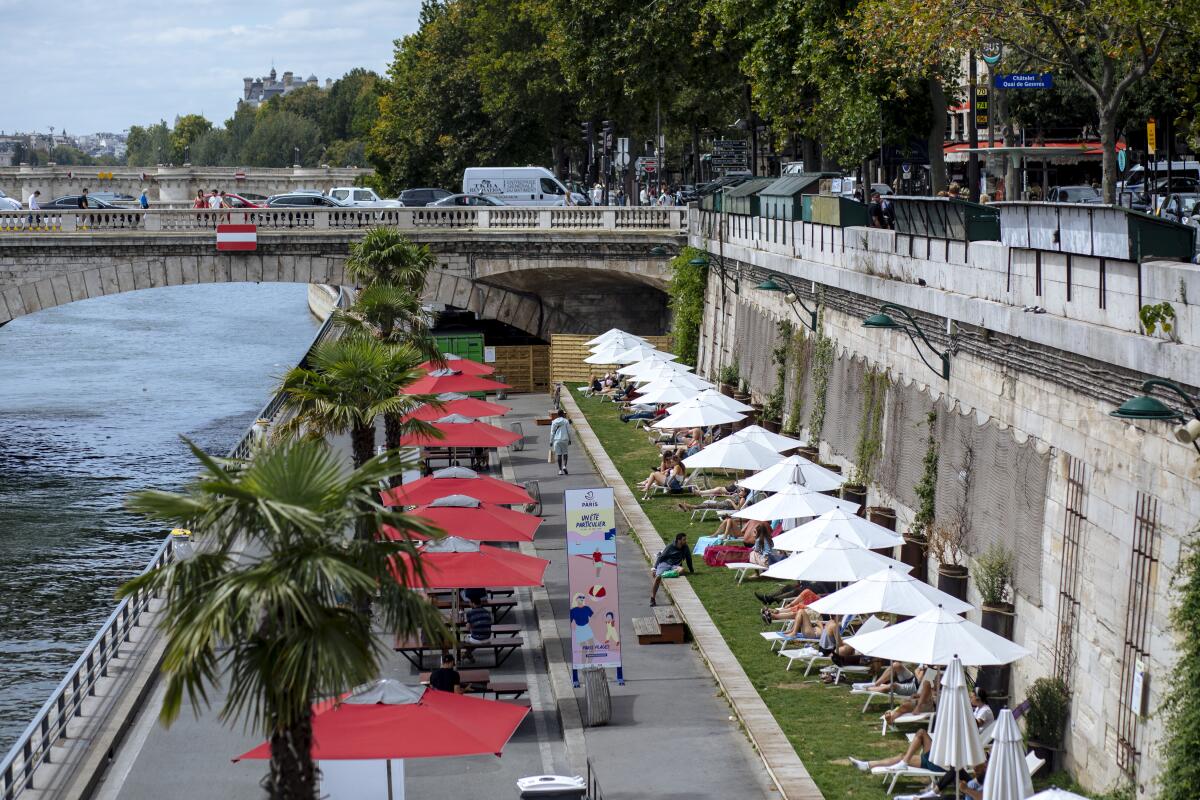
column 825, row 724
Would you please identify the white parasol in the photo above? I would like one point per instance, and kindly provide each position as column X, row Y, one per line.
column 696, row 416
column 889, row 591
column 833, row 560
column 773, row 440
column 794, row 502
column 956, row 743
column 729, row 453
column 792, row 470
column 838, row 522
column 935, row 637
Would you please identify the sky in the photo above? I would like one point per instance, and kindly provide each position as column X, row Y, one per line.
column 88, row 66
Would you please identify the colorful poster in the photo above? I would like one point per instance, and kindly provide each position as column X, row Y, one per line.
column 592, row 578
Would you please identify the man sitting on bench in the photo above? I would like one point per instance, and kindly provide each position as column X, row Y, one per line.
column 671, row 561
column 446, row 677
column 479, row 625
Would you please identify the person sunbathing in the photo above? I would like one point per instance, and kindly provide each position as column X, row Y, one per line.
column 897, row 679
column 670, row 467
column 790, row 608
column 722, row 498
column 923, row 702
column 917, row 755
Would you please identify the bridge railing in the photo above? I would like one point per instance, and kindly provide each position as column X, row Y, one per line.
column 35, row 745
column 597, row 218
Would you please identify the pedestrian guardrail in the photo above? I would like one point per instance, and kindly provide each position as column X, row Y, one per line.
column 159, row 220
column 35, row 745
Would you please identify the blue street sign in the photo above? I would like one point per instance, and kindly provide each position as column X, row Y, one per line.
column 1025, row 80
column 1121, row 160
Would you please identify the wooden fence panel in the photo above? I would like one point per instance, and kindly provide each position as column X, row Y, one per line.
column 524, row 367
column 568, row 351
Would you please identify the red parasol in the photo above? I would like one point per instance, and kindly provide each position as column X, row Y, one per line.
column 388, row 719
column 464, row 365
column 457, row 480
column 454, row 562
column 449, row 380
column 466, row 517
column 460, row 431
column 469, row 407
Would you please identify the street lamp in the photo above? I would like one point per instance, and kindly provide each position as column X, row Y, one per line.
column 884, row 321
column 1148, row 407
column 701, row 261
column 792, row 298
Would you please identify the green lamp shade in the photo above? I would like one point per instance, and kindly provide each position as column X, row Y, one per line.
column 699, row 262
column 880, row 320
column 1145, row 407
column 658, row 250
column 769, row 285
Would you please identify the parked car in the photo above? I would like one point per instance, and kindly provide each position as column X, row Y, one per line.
column 416, row 198
column 258, row 199
column 1074, row 194
column 467, row 200
column 303, row 200
column 1180, row 207
column 361, row 197
column 9, row 203
column 72, row 201
column 241, row 201
column 112, row 197
column 521, row 186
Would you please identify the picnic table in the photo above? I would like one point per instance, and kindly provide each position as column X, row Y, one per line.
column 474, row 681
column 499, row 608
column 415, row 649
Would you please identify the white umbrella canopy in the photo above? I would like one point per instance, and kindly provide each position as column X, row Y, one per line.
column 935, row 637
column 889, row 591
column 681, row 379
column 956, row 743
column 616, row 345
column 838, row 522
column 794, row 502
column 729, row 453
column 603, row 356
column 1054, row 793
column 613, row 333
column 1007, row 775
column 773, row 440
column 697, row 416
column 655, row 363
column 833, row 560
column 714, row 398
column 640, row 352
column 666, row 395
column 793, row 469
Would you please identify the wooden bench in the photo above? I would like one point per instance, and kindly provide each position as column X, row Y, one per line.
column 513, row 689
column 523, row 702
column 665, row 627
column 508, row 629
column 499, row 608
column 501, row 648
column 473, row 681
column 415, row 650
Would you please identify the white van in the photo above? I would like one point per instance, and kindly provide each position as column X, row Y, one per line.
column 518, row 186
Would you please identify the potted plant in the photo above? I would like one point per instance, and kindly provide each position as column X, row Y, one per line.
column 882, row 515
column 945, row 542
column 728, row 378
column 1046, row 719
column 772, row 411
column 915, row 551
column 854, row 490
column 742, row 392
column 993, row 575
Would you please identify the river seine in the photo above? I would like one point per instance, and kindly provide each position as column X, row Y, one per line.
column 93, row 399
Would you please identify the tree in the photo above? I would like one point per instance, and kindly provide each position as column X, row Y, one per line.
column 384, row 255
column 274, row 630
column 276, row 137
column 347, row 384
column 188, row 129
column 148, row 146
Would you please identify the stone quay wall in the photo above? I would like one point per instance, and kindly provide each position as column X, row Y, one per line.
column 1095, row 509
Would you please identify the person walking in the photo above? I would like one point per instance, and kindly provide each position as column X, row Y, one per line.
column 643, row 197
column 201, row 201
column 214, row 200
column 83, row 198
column 560, row 441
column 621, row 196
column 144, row 199
column 597, row 194
column 34, row 205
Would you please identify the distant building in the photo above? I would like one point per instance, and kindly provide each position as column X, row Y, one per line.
column 257, row 91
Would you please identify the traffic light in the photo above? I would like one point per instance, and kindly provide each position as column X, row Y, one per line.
column 608, row 129
column 586, row 129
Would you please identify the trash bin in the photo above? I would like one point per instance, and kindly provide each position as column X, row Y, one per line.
column 501, row 394
column 519, row 444
column 597, row 701
column 553, row 786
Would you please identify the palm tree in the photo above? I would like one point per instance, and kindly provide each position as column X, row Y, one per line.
column 260, row 606
column 391, row 313
column 384, row 255
column 347, row 384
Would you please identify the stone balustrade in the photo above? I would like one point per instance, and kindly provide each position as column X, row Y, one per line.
column 614, row 218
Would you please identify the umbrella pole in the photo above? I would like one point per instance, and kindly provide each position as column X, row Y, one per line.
column 388, row 761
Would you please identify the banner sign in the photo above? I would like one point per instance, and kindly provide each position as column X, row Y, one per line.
column 592, row 578
column 237, row 237
column 1025, row 80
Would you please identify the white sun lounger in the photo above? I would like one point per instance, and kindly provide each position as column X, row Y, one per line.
column 743, row 567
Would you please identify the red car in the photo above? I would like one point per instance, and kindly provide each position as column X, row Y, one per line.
column 237, row 201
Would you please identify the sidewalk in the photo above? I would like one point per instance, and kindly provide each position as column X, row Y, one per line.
column 671, row 734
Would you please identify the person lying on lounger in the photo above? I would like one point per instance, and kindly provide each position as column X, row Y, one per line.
column 917, row 755
column 722, row 498
column 923, row 702
column 898, row 679
column 670, row 467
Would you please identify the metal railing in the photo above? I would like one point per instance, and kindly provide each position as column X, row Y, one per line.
column 161, row 220
column 34, row 746
column 593, row 783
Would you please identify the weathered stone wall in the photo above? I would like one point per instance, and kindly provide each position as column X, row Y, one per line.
column 1042, row 381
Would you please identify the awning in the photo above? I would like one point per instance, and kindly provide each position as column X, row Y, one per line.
column 1056, row 152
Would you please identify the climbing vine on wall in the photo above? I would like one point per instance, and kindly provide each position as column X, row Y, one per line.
column 822, row 363
column 926, row 488
column 773, row 407
column 870, row 427
column 800, row 354
column 1181, row 775
column 688, row 282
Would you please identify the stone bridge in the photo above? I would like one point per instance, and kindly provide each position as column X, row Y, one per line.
column 541, row 270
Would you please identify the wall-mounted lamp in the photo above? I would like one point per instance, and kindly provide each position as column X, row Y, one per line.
column 1148, row 407
column 792, row 297
column 883, row 321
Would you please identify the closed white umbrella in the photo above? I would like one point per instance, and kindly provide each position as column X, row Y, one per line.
column 956, row 743
column 935, row 637
column 833, row 560
column 697, row 416
column 795, row 502
column 773, row 440
column 732, row 454
column 682, row 379
column 839, row 522
column 1007, row 775
column 666, row 395
column 612, row 333
column 715, row 398
column 889, row 591
column 793, row 469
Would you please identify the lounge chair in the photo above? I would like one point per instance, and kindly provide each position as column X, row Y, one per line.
column 811, row 655
column 898, row 771
column 781, row 638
